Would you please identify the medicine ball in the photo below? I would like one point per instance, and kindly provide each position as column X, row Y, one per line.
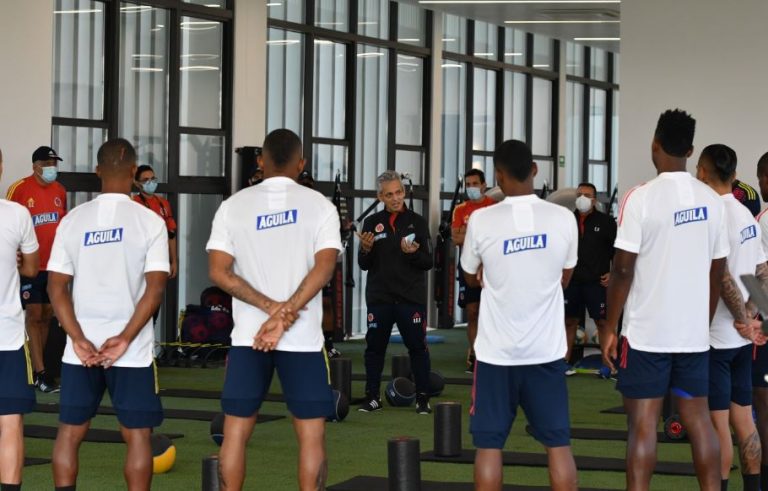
column 163, row 453
column 436, row 384
column 400, row 392
column 340, row 407
column 217, row 429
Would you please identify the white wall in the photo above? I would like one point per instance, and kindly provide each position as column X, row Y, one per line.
column 705, row 56
column 26, row 33
column 250, row 84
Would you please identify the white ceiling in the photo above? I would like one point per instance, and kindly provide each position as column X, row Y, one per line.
column 497, row 13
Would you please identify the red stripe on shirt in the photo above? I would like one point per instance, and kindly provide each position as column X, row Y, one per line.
column 624, row 203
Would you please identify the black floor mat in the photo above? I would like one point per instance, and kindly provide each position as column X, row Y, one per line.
column 209, row 394
column 614, row 410
column 36, row 461
column 370, row 483
column 582, row 463
column 360, row 377
column 93, row 435
column 188, row 414
column 608, row 434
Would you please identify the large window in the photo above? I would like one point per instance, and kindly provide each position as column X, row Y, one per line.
column 159, row 78
column 285, row 78
column 592, row 127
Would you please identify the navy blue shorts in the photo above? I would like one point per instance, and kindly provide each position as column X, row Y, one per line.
column 760, row 366
column 133, row 392
column 467, row 294
column 585, row 295
column 304, row 377
column 35, row 290
column 539, row 389
column 647, row 375
column 17, row 390
column 730, row 377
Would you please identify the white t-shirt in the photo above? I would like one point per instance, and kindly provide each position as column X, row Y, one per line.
column 744, row 238
column 273, row 230
column 107, row 245
column 524, row 244
column 762, row 219
column 676, row 226
column 16, row 233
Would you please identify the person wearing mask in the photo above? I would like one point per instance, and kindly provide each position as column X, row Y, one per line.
column 146, row 182
column 46, row 201
column 469, row 297
column 587, row 288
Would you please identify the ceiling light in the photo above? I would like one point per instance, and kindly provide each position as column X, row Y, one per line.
column 282, row 42
column 199, row 25
column 368, row 23
column 512, row 54
column 597, row 39
column 562, row 21
column 451, row 65
column 145, row 69
column 83, row 11
column 330, row 23
column 369, row 55
column 135, row 8
column 275, row 4
column 448, row 40
column 408, row 40
column 485, row 54
column 323, row 42
column 199, row 68
column 541, row 66
column 146, row 56
column 519, row 2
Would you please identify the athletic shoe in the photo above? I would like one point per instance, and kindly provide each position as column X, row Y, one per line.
column 46, row 383
column 422, row 404
column 570, row 371
column 371, row 405
column 333, row 353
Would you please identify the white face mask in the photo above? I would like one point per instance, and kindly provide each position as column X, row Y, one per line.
column 583, row 204
column 474, row 193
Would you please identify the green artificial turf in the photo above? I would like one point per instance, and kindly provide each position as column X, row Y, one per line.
column 357, row 446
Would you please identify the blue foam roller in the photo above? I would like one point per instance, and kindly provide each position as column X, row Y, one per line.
column 431, row 339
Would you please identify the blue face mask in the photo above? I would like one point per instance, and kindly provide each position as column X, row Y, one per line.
column 474, row 193
column 150, row 186
column 49, row 173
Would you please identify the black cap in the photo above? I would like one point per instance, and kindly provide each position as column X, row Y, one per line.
column 44, row 153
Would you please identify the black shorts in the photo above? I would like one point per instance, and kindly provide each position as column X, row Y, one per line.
column 35, row 290
column 467, row 294
column 581, row 295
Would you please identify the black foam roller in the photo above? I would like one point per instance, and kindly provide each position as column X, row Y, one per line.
column 447, row 429
column 211, row 473
column 401, row 366
column 404, row 464
column 341, row 376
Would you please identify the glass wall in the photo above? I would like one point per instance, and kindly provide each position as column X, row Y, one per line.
column 167, row 98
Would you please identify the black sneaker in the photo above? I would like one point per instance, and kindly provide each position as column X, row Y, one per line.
column 422, row 404
column 371, row 405
column 46, row 383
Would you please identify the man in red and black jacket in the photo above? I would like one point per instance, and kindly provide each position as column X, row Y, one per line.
column 395, row 250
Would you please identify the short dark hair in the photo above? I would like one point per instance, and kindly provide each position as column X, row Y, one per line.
column 514, row 158
column 675, row 131
column 475, row 172
column 723, row 160
column 281, row 146
column 588, row 185
column 142, row 169
column 115, row 154
column 762, row 165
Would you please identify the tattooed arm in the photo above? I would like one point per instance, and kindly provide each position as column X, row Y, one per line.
column 319, row 276
column 732, row 297
column 221, row 273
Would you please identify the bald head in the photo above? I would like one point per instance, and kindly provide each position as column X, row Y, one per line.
column 116, row 158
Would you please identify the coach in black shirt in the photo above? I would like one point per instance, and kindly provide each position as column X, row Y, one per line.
column 395, row 250
column 597, row 232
